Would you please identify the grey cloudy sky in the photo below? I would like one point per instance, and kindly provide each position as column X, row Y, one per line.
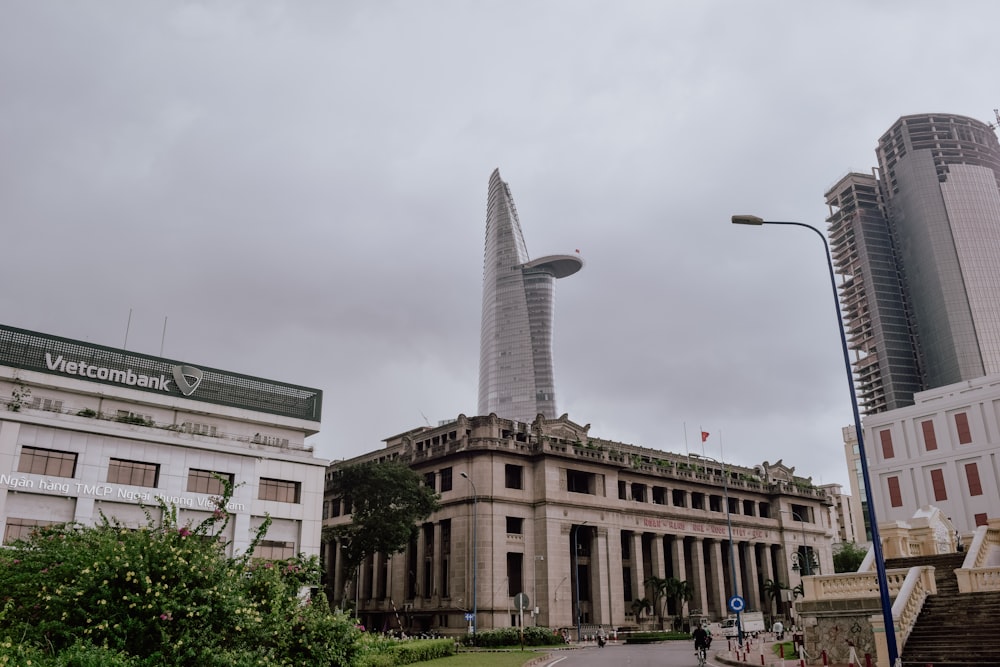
column 300, row 189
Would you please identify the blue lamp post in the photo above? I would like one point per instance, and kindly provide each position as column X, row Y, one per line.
column 475, row 548
column 883, row 583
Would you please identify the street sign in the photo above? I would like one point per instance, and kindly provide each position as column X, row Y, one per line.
column 469, row 617
column 736, row 604
column 521, row 601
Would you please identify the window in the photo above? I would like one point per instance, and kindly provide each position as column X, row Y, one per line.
column 622, row 490
column 280, row 490
column 21, row 529
column 748, row 507
column 579, row 482
column 715, row 503
column 677, row 498
column 272, row 550
column 697, row 500
column 895, row 497
column 937, row 482
column 659, row 495
column 972, row 477
column 639, row 492
column 134, row 473
column 515, row 525
column 981, row 519
column 513, row 476
column 930, row 440
column 626, row 539
column 515, row 565
column 206, row 481
column 445, row 479
column 627, row 583
column 886, row 438
column 37, row 461
column 764, row 510
column 962, row 426
column 429, row 481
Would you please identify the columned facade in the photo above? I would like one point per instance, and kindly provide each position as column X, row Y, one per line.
column 635, row 516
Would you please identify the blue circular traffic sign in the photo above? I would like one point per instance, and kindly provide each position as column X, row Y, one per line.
column 737, row 604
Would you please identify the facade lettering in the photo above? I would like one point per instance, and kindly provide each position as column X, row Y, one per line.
column 126, row 377
column 17, row 482
column 703, row 528
column 107, row 490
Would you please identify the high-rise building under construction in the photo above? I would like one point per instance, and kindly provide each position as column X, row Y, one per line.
column 516, row 378
column 918, row 242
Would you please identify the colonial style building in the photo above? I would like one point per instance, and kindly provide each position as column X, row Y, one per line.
column 88, row 430
column 548, row 511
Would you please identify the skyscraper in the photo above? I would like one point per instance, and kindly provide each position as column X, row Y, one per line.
column 918, row 242
column 516, row 380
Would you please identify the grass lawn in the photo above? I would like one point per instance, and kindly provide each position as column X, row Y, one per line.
column 484, row 659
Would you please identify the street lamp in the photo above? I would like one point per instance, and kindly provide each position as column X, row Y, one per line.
column 804, row 561
column 475, row 548
column 883, row 583
column 732, row 556
column 576, row 574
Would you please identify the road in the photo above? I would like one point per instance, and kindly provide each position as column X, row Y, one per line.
column 666, row 654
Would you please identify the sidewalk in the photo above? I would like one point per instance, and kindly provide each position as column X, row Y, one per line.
column 754, row 649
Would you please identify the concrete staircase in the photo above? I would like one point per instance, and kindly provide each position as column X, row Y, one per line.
column 953, row 630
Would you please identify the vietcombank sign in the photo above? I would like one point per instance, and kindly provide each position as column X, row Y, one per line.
column 34, row 351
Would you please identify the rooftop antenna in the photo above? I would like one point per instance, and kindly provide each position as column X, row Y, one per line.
column 128, row 325
column 163, row 338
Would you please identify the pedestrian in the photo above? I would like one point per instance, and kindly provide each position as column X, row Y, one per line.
column 779, row 630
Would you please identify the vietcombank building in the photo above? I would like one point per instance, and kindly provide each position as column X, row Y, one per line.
column 88, row 430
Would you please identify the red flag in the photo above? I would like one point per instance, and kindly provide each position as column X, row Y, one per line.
column 704, row 436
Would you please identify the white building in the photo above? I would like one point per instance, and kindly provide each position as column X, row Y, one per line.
column 87, row 430
column 941, row 451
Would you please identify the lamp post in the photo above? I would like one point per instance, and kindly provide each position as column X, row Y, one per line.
column 475, row 548
column 732, row 555
column 806, row 564
column 883, row 583
column 534, row 587
column 576, row 575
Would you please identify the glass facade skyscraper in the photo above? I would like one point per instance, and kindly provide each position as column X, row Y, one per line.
column 516, row 378
column 918, row 244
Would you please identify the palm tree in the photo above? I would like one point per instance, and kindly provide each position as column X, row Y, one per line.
column 660, row 588
column 683, row 593
column 773, row 590
column 639, row 607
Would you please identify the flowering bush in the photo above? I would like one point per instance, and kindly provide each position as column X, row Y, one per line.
column 164, row 594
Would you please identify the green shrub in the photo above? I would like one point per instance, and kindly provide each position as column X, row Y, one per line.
column 164, row 594
column 533, row 636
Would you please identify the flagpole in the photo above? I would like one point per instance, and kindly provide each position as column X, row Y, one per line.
column 703, row 439
column 687, row 452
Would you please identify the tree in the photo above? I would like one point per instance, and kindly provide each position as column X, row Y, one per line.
column 386, row 500
column 660, row 588
column 639, row 607
column 680, row 592
column 847, row 557
column 772, row 589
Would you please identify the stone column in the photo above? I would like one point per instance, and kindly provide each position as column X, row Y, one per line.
column 680, row 568
column 699, row 579
column 716, row 578
column 658, row 557
column 638, row 573
column 601, row 578
column 753, row 583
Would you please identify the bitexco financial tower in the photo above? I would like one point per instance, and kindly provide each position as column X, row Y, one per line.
column 516, row 380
